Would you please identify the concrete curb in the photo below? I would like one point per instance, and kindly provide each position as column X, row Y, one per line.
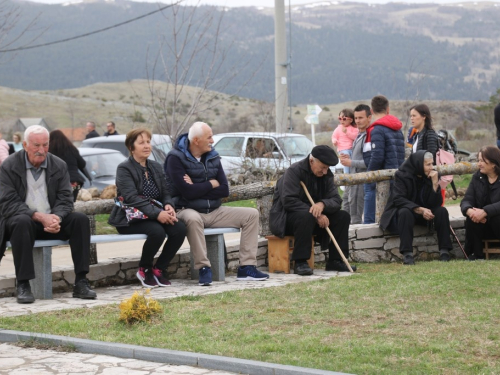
column 213, row 362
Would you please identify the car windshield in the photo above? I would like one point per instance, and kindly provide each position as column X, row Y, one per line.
column 103, row 165
column 295, row 147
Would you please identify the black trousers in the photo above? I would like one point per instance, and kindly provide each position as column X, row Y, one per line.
column 302, row 225
column 476, row 232
column 406, row 219
column 156, row 236
column 23, row 232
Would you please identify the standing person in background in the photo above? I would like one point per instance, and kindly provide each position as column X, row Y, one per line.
column 345, row 134
column 384, row 149
column 18, row 141
column 496, row 114
column 111, row 129
column 91, row 132
column 61, row 146
column 342, row 138
column 362, row 116
column 426, row 138
column 4, row 149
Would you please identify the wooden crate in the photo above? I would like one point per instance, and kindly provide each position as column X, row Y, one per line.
column 279, row 251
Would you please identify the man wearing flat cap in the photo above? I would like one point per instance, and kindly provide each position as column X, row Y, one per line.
column 293, row 215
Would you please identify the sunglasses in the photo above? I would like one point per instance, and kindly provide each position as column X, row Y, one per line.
column 344, row 118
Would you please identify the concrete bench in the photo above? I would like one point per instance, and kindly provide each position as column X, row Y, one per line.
column 42, row 256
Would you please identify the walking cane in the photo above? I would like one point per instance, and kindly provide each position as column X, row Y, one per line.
column 329, row 231
column 459, row 244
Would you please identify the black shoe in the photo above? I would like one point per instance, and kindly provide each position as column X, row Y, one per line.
column 444, row 256
column 82, row 290
column 24, row 294
column 408, row 259
column 339, row 266
column 302, row 268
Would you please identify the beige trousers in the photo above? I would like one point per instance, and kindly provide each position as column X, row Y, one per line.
column 245, row 218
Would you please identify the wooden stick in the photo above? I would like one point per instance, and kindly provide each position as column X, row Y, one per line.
column 329, row 231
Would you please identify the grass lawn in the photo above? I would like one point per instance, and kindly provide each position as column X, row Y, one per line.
column 432, row 318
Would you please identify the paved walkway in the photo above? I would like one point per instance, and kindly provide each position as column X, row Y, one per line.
column 15, row 360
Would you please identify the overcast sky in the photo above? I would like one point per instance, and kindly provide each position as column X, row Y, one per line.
column 268, row 3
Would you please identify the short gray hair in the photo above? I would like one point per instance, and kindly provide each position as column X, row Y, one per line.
column 196, row 130
column 428, row 155
column 34, row 129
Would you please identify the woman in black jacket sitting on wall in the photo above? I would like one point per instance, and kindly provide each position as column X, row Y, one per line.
column 416, row 199
column 426, row 138
column 481, row 204
column 139, row 181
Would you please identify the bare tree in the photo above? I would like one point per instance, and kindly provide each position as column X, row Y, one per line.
column 190, row 68
column 10, row 34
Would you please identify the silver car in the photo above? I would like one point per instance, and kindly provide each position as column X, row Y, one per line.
column 262, row 150
column 101, row 165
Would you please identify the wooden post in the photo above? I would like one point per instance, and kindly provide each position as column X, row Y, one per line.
column 383, row 190
column 264, row 207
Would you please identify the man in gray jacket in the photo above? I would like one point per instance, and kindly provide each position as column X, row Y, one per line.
column 36, row 202
column 356, row 199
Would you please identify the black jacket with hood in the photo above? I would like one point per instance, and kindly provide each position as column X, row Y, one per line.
column 411, row 189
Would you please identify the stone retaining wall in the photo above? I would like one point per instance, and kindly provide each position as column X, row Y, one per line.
column 367, row 244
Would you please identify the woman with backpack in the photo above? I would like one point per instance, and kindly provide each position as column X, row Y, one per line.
column 416, row 199
column 426, row 138
column 481, row 203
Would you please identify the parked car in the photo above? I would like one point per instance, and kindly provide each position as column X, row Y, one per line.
column 162, row 144
column 101, row 165
column 263, row 150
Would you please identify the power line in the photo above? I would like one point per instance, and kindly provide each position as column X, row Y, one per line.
column 90, row 33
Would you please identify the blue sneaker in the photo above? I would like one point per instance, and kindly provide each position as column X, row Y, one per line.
column 248, row 273
column 205, row 274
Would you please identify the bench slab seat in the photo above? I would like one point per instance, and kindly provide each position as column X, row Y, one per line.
column 42, row 256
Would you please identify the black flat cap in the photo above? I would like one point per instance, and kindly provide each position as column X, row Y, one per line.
column 325, row 154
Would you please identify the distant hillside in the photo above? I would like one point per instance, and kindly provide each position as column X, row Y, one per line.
column 121, row 102
column 340, row 51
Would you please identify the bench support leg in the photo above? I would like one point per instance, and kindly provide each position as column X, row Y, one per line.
column 215, row 254
column 41, row 286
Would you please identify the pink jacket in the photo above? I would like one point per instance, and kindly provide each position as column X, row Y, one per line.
column 4, row 150
column 342, row 140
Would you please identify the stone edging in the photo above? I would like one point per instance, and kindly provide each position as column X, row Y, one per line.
column 173, row 357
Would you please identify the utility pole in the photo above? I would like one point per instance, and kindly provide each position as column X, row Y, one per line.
column 280, row 66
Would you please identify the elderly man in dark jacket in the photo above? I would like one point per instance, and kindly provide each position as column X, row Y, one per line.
column 198, row 184
column 292, row 213
column 36, row 203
